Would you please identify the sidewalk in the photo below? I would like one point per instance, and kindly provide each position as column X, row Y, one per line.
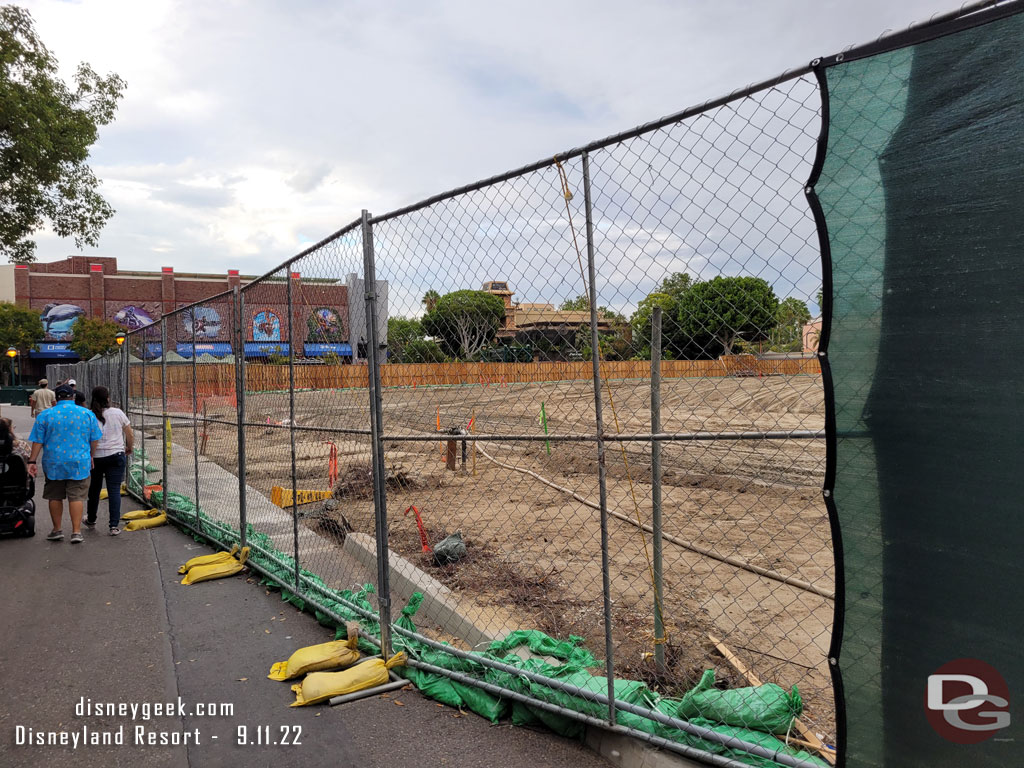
column 108, row 622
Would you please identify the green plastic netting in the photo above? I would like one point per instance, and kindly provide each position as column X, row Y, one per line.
column 921, row 189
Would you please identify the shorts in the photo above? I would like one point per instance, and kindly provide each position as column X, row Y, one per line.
column 72, row 490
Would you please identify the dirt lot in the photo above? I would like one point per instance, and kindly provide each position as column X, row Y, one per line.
column 535, row 551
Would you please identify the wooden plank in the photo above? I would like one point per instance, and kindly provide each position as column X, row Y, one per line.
column 811, row 738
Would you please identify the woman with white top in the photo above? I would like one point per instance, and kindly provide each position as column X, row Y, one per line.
column 109, row 459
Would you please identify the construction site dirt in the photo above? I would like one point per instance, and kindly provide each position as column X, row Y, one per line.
column 747, row 550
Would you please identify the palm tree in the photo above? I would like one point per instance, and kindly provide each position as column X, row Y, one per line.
column 430, row 299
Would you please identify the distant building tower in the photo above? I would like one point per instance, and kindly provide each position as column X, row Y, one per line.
column 507, row 329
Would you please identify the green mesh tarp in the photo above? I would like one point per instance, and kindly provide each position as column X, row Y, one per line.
column 922, row 190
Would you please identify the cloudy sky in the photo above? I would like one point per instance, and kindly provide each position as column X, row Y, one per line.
column 251, row 128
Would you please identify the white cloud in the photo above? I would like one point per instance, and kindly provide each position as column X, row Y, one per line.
column 250, row 128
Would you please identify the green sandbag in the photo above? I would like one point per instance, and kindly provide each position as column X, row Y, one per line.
column 629, row 691
column 524, row 714
column 449, row 692
column 765, row 707
column 545, row 645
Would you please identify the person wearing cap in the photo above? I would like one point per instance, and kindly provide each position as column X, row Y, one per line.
column 67, row 436
column 71, row 383
column 41, row 399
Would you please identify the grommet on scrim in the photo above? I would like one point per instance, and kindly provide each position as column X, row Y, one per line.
column 839, row 57
column 833, row 660
column 826, row 493
column 821, row 354
column 808, row 190
column 816, row 62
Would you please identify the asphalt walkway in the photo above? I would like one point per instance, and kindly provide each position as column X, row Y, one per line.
column 108, row 623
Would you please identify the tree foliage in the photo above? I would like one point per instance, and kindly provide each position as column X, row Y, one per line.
column 20, row 327
column 401, row 332
column 790, row 319
column 46, row 130
column 724, row 309
column 464, row 322
column 92, row 336
column 578, row 304
column 422, row 351
column 430, row 300
column 667, row 295
column 641, row 322
column 675, row 285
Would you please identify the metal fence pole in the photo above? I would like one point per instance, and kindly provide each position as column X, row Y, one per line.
column 195, row 416
column 659, row 620
column 125, row 369
column 240, row 407
column 142, row 407
column 291, row 424
column 376, row 428
column 163, row 412
column 595, row 356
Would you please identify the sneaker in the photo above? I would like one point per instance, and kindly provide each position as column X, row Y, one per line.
column 77, row 538
column 55, row 536
column 89, row 523
column 115, row 531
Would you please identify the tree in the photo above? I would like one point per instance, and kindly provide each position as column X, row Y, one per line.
column 464, row 322
column 92, row 336
column 402, row 331
column 430, row 299
column 676, row 284
column 422, row 351
column 790, row 319
column 641, row 322
column 667, row 295
column 46, row 130
column 20, row 327
column 724, row 309
column 578, row 304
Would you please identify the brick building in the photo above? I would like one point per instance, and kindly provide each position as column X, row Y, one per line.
column 324, row 322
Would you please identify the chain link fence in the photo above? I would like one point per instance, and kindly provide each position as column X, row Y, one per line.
column 575, row 399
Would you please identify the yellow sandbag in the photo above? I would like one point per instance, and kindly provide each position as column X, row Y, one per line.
column 216, row 570
column 321, row 686
column 105, row 494
column 314, row 658
column 149, row 522
column 141, row 514
column 216, row 557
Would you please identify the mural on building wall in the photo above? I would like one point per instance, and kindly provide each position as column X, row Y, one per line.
column 266, row 326
column 203, row 321
column 58, row 320
column 325, row 326
column 133, row 317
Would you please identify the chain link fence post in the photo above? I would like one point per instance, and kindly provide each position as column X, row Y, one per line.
column 659, row 620
column 290, row 275
column 165, row 484
column 373, row 351
column 195, row 418
column 595, row 357
column 239, row 334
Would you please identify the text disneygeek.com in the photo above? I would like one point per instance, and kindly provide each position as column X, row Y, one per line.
column 146, row 735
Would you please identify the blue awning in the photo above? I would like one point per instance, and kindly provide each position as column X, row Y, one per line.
column 217, row 349
column 319, row 350
column 154, row 349
column 265, row 349
column 52, row 351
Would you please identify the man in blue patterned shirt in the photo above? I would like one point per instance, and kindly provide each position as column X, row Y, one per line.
column 67, row 436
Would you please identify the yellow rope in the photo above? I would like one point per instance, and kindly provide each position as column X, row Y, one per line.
column 567, row 194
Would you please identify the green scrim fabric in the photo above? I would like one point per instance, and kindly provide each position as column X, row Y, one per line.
column 922, row 191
